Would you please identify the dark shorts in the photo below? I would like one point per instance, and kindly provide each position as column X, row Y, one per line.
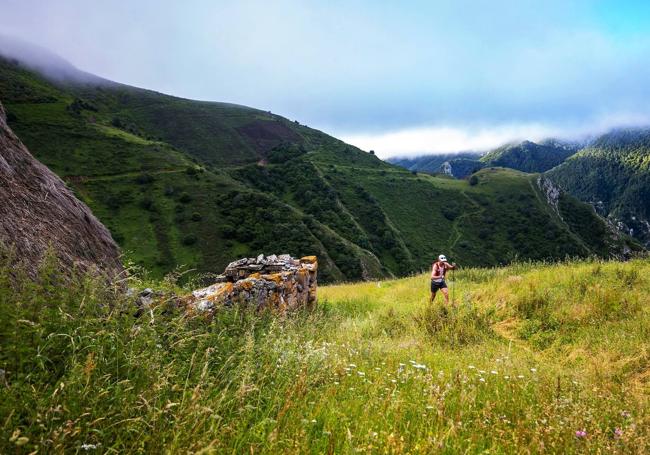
column 435, row 286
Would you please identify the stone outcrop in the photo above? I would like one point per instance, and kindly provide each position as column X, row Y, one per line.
column 274, row 282
column 38, row 212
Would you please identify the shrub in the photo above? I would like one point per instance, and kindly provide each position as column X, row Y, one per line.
column 473, row 180
column 147, row 203
column 196, row 216
column 145, row 178
column 189, row 239
column 185, row 198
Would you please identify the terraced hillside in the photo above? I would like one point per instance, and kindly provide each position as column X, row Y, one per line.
column 197, row 183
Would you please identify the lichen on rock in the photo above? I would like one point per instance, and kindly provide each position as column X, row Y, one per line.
column 277, row 283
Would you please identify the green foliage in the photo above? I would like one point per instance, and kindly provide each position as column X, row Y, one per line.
column 613, row 173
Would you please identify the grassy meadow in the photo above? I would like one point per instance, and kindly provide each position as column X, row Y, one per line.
column 532, row 358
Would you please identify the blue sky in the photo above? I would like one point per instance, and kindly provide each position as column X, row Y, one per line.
column 402, row 78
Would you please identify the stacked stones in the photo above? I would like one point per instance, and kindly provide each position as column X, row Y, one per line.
column 274, row 282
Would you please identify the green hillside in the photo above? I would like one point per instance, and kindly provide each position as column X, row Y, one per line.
column 529, row 156
column 182, row 182
column 613, row 173
column 528, row 356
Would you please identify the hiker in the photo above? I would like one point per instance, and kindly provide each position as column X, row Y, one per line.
column 438, row 271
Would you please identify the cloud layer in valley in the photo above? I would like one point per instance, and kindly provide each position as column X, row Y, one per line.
column 398, row 77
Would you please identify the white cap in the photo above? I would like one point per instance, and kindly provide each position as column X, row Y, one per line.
column 442, row 258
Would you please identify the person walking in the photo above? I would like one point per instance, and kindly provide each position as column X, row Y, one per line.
column 438, row 271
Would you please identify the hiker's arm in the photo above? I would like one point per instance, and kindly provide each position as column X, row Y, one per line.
column 433, row 273
column 452, row 266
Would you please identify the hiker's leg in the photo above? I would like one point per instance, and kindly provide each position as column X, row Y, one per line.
column 445, row 292
column 433, row 296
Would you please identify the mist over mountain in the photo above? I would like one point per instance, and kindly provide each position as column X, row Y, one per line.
column 45, row 62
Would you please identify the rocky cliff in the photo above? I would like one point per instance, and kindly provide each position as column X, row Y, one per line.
column 38, row 212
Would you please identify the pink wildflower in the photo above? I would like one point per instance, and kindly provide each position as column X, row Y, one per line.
column 581, row 433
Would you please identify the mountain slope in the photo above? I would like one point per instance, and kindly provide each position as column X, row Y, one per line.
column 529, row 156
column 613, row 173
column 197, row 183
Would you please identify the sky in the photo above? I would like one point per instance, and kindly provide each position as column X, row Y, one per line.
column 399, row 77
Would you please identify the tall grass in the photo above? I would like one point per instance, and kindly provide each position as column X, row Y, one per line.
column 528, row 356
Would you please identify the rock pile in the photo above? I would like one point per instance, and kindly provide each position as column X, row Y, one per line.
column 273, row 282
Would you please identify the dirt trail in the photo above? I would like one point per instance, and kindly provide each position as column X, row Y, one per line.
column 456, row 233
column 95, row 178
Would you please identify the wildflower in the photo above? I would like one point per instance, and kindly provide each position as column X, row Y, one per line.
column 521, row 376
column 534, row 370
column 481, row 371
column 373, row 434
column 626, row 414
column 494, row 372
column 429, row 406
column 419, row 366
column 481, row 379
column 581, row 433
column 361, row 373
column 313, row 420
column 618, row 433
column 86, row 446
column 506, row 377
column 471, row 367
column 402, row 364
column 352, row 365
column 394, row 381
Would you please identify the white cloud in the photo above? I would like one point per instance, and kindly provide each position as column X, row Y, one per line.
column 450, row 139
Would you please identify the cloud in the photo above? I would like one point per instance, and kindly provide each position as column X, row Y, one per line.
column 429, row 75
column 410, row 142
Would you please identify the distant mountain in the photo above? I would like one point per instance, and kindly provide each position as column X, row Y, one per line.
column 613, row 173
column 523, row 156
column 531, row 157
column 200, row 183
column 431, row 164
